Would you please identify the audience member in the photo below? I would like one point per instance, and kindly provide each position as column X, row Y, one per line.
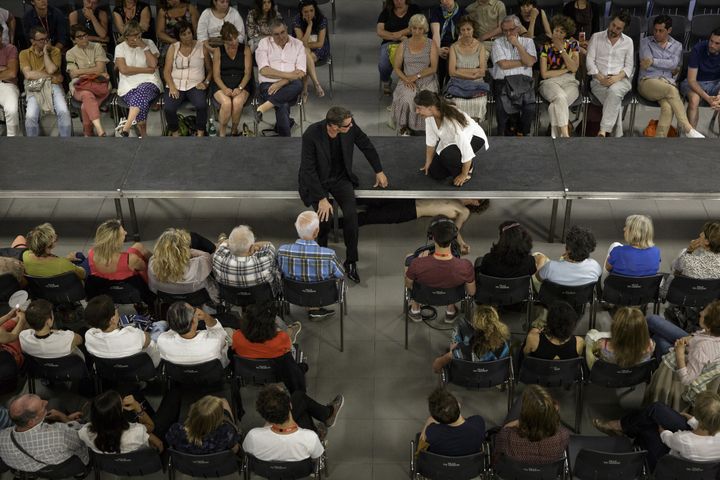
column 90, row 82
column 638, row 257
column 212, row 19
column 393, row 26
column 443, row 25
column 535, row 22
column 452, row 139
column 187, row 73
column 513, row 57
column 107, row 259
column 9, row 93
column 233, row 78
column 660, row 63
column 555, row 341
column 559, row 60
column 575, row 266
column 580, row 12
column 466, row 66
column 208, row 428
column 16, row 248
column 126, row 11
column 446, row 431
column 258, row 22
column 11, row 325
column 38, row 259
column 41, row 340
column 611, row 63
column 703, row 77
column 488, row 14
column 628, row 343
column 40, row 65
column 415, row 65
column 7, row 22
column 139, row 80
column 701, row 259
column 510, row 256
column 172, row 16
column 51, row 20
column 310, row 27
column 94, row 19
column 240, row 261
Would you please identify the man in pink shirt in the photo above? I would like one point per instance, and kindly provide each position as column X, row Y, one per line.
column 9, row 93
column 281, row 66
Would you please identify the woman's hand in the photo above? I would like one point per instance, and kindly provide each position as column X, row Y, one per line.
column 236, row 92
column 228, row 92
column 460, row 180
column 130, row 404
column 201, row 86
column 426, row 167
column 174, row 93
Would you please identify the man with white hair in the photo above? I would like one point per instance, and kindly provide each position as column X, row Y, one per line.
column 241, row 261
column 306, row 261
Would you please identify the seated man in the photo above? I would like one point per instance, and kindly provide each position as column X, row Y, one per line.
column 183, row 344
column 9, row 93
column 41, row 339
column 575, row 267
column 34, row 443
column 41, row 64
column 446, row 432
column 660, row 63
column 281, row 65
column 703, row 76
column 488, row 14
column 242, row 262
column 105, row 338
column 440, row 269
column 306, row 261
column 513, row 57
column 610, row 62
column 290, row 434
column 52, row 19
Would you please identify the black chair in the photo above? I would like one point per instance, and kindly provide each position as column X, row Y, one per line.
column 553, row 374
column 481, row 375
column 203, row 466
column 610, row 375
column 8, row 285
column 551, row 7
column 679, row 25
column 9, row 373
column 70, row 468
column 131, row 370
column 196, row 299
column 635, row 7
column 633, row 291
column 503, row 292
column 202, row 374
column 672, row 467
column 670, row 7
column 603, row 458
column 435, row 297
column 439, row 467
column 281, row 470
column 578, row 297
column 252, row 371
column 317, row 294
column 508, row 469
column 141, row 462
column 692, row 292
column 706, row 7
column 121, row 292
column 60, row 290
column 242, row 297
column 70, row 368
column 701, row 26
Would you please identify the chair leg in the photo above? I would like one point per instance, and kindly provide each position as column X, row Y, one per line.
column 586, row 108
column 342, row 326
column 406, row 311
column 331, row 75
column 578, row 407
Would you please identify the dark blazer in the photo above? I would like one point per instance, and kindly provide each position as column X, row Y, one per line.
column 315, row 163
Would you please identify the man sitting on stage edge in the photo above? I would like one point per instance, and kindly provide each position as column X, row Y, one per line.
column 703, row 76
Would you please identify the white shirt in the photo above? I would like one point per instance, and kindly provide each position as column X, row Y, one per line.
column 209, row 25
column 688, row 445
column 571, row 274
column 289, row 58
column 264, row 444
column 135, row 57
column 198, row 275
column 451, row 133
column 4, row 17
column 607, row 59
column 504, row 50
column 57, row 344
column 134, row 438
column 120, row 343
column 207, row 345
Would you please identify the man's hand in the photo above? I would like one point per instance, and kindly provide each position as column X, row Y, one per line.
column 273, row 88
column 299, row 74
column 444, row 52
column 324, row 210
column 56, row 416
column 460, row 180
column 645, row 63
column 380, row 180
column 513, row 39
column 603, row 80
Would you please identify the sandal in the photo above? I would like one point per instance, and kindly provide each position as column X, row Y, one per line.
column 604, row 427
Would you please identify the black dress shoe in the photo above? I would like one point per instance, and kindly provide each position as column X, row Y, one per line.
column 351, row 271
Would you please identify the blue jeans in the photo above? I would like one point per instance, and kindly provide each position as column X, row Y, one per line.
column 32, row 114
column 664, row 333
column 198, row 98
column 711, row 87
column 281, row 101
column 384, row 66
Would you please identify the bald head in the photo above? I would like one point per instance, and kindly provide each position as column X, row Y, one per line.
column 307, row 225
column 27, row 410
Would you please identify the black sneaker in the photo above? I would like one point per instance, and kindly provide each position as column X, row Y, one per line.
column 336, row 405
column 320, row 313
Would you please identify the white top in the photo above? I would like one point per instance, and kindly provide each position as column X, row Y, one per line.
column 504, row 50
column 188, row 71
column 57, row 344
column 134, row 438
column 607, row 59
column 688, row 445
column 571, row 274
column 264, row 444
column 209, row 25
column 198, row 275
column 207, row 345
column 4, row 17
column 120, row 343
column 135, row 57
column 286, row 59
column 451, row 133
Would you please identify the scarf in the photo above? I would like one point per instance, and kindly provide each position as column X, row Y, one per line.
column 448, row 21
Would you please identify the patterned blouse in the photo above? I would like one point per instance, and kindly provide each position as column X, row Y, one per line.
column 699, row 264
column 508, row 442
column 554, row 57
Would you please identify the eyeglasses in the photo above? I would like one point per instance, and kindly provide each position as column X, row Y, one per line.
column 44, row 39
column 280, row 33
column 80, row 35
column 349, row 124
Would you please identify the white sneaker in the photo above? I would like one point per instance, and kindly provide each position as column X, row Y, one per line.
column 694, row 134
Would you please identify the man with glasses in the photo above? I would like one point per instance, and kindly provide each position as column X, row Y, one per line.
column 40, row 65
column 326, row 169
column 282, row 65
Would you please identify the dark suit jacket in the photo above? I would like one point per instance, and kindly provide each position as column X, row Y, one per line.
column 315, row 164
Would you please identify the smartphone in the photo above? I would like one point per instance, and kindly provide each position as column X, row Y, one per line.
column 125, row 320
column 581, row 36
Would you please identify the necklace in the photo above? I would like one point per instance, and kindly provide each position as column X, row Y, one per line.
column 442, row 255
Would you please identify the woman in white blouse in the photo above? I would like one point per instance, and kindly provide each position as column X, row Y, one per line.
column 212, row 20
column 453, row 139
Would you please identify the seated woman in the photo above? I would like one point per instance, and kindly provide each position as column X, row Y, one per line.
column 171, row 13
column 452, row 138
column 127, row 11
column 177, row 268
column 701, row 259
column 533, row 433
column 187, row 74
column 510, row 256
column 212, row 20
column 446, row 432
column 660, row 430
column 233, row 76
column 466, row 66
column 535, row 22
column 10, row 259
column 108, row 260
column 415, row 65
column 628, row 344
column 575, row 267
column 139, row 81
column 484, row 340
column 41, row 339
column 208, row 428
column 392, row 28
column 95, row 20
column 11, row 325
column 39, row 260
column 639, row 256
column 258, row 22
column 556, row 340
column 310, row 26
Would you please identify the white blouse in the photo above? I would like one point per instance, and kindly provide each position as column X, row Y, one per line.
column 135, row 57
column 451, row 133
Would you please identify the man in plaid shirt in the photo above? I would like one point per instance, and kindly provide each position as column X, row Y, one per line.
column 242, row 262
column 306, row 261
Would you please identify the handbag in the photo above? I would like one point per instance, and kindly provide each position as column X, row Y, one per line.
column 463, row 88
column 96, row 84
column 392, row 48
column 651, row 129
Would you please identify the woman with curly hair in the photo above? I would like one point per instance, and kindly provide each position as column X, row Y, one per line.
column 510, row 256
column 556, row 340
column 258, row 22
column 575, row 266
column 310, row 26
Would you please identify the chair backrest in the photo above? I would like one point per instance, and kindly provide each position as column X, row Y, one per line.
column 480, row 374
column 62, row 369
column 508, row 469
column 635, row 7
column 706, row 6
column 632, row 291
column 578, row 297
column 551, row 373
column 502, row 291
column 693, row 292
column 121, row 292
column 196, row 299
column 60, row 289
column 205, row 466
column 8, row 285
column 133, row 464
column 311, row 294
column 597, row 443
column 613, row 376
column 207, row 373
column 281, row 470
column 135, row 368
column 596, row 465
column 252, row 371
column 672, row 467
column 551, row 7
column 701, row 26
column 437, row 296
column 679, row 24
column 9, row 372
column 246, row 296
column 670, row 7
column 440, row 467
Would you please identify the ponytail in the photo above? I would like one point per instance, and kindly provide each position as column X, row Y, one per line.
column 426, row 98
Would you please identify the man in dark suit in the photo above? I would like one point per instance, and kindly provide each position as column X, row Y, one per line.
column 326, row 169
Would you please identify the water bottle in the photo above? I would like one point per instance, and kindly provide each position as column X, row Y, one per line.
column 212, row 131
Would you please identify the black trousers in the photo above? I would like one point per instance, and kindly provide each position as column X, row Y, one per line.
column 305, row 409
column 381, row 211
column 343, row 192
column 449, row 162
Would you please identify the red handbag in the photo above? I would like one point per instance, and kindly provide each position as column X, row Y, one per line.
column 96, row 84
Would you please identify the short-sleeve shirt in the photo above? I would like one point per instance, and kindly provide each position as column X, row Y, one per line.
column 464, row 439
column 29, row 59
column 502, row 49
column 119, row 343
column 571, row 274
column 132, row 439
column 450, row 34
column 634, row 262
column 223, row 438
column 56, row 344
column 393, row 23
column 81, row 58
column 434, row 273
column 554, row 57
column 207, row 345
column 135, row 57
column 264, row 444
column 495, row 266
column 7, row 53
column 48, row 267
column 488, row 15
column 275, row 347
column 708, row 65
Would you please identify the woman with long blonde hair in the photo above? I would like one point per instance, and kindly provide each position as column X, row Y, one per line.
column 108, row 260
column 208, row 428
column 629, row 343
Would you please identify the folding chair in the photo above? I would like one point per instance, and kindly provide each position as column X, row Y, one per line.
column 8, row 285
column 610, row 375
column 131, row 370
column 435, row 297
column 670, row 7
column 195, row 299
column 504, row 292
column 206, row 374
column 281, row 470
column 242, row 297
column 703, row 7
column 481, row 375
column 603, row 458
column 672, row 467
column 70, row 368
column 432, row 466
column 701, row 26
column 145, row 461
column 213, row 465
column 121, row 292
column 692, row 292
column 578, row 297
column 59, row 290
column 635, row 7
column 507, row 469
column 633, row 291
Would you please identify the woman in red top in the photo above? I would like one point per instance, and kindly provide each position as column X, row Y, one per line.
column 259, row 335
column 108, row 261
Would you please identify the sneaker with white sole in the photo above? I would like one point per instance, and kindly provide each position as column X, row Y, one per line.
column 336, row 405
column 694, row 134
column 293, row 330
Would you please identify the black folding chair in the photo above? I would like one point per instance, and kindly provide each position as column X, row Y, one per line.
column 9, row 372
column 692, row 292
column 635, row 7
column 578, row 297
column 481, row 375
column 70, row 368
column 633, row 291
column 604, row 458
column 706, row 7
column 202, row 374
column 242, row 297
column 281, row 470
column 73, row 467
column 195, row 299
column 204, row 466
column 701, row 26
column 503, row 292
column 121, row 292
column 678, row 8
column 672, row 467
column 60, row 290
column 8, row 285
column 132, row 370
column 440, row 467
column 508, row 469
column 610, row 375
column 139, row 463
column 435, row 297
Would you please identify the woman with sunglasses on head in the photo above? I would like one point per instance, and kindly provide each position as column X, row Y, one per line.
column 214, row 18
column 258, row 21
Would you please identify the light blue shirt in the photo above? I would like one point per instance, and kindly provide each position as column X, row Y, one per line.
column 665, row 60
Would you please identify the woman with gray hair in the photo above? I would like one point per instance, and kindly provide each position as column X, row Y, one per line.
column 240, row 261
column 638, row 257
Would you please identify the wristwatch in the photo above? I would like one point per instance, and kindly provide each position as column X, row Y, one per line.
column 418, row 76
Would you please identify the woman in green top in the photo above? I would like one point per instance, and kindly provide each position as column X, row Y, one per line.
column 39, row 260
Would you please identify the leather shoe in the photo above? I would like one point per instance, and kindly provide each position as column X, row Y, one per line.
column 351, row 271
